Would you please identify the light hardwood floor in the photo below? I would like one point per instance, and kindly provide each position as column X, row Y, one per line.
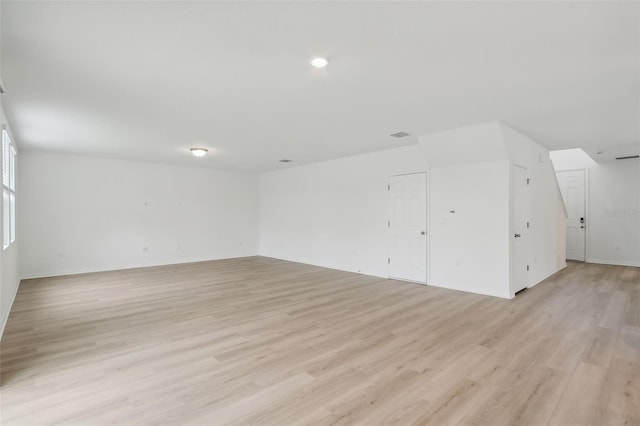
column 263, row 341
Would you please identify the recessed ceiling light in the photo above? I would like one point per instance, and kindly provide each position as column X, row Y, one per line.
column 319, row 62
column 285, row 160
column 199, row 152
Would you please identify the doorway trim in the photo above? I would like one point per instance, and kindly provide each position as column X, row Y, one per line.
column 587, row 257
column 512, row 227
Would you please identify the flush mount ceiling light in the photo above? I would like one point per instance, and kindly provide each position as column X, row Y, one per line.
column 199, row 152
column 319, row 62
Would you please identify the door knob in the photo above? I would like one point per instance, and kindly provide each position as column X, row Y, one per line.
column 516, row 235
column 423, row 233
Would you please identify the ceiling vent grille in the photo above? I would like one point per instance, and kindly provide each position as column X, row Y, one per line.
column 628, row 157
column 399, row 135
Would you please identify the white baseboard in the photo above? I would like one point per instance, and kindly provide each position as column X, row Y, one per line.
column 5, row 318
column 119, row 267
column 306, row 262
column 466, row 290
column 613, row 262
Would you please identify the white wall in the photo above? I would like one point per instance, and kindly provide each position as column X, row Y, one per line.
column 469, row 249
column 9, row 277
column 480, row 143
column 613, row 207
column 472, row 167
column 614, row 213
column 82, row 214
column 334, row 213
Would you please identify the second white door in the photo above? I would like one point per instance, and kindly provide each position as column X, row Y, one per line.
column 408, row 227
column 572, row 186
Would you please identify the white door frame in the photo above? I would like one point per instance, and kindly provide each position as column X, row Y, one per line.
column 428, row 225
column 586, row 209
column 512, row 249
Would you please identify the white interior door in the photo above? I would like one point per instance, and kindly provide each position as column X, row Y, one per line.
column 572, row 186
column 520, row 228
column 408, row 227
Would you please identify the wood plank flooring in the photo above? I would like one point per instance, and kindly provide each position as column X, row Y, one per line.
column 264, row 341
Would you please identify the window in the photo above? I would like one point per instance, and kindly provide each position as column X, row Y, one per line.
column 8, row 190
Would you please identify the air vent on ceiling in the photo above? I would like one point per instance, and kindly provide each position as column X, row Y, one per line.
column 399, row 135
column 628, row 157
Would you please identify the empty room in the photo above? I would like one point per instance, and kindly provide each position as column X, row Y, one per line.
column 320, row 213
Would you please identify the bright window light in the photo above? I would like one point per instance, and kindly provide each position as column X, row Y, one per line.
column 8, row 190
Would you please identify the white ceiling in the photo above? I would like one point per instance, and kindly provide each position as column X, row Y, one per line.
column 148, row 80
